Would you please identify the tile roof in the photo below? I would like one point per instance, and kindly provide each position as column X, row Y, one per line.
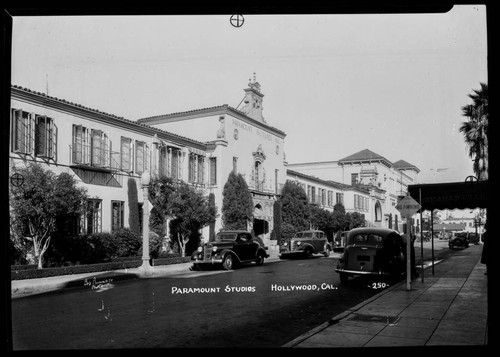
column 326, row 182
column 225, row 107
column 104, row 113
column 401, row 164
column 364, row 155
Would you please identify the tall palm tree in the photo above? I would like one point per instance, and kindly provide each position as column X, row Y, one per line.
column 475, row 130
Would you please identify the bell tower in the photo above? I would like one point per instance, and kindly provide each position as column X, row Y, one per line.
column 253, row 100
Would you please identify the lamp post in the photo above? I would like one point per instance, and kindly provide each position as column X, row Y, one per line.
column 145, row 180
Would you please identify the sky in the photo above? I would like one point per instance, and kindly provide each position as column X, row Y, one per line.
column 334, row 83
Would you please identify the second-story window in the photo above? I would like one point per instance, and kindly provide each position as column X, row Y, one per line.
column 196, row 172
column 354, row 179
column 100, row 148
column 201, row 169
column 339, row 198
column 81, row 145
column 33, row 134
column 163, row 162
column 126, row 154
column 175, row 167
column 213, row 171
column 141, row 157
column 22, row 131
column 192, row 168
column 45, row 136
column 257, row 173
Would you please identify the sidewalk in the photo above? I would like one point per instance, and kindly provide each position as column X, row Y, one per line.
column 447, row 308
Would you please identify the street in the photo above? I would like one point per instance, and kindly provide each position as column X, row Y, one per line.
column 251, row 306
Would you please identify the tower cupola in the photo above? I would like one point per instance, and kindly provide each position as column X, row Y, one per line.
column 253, row 100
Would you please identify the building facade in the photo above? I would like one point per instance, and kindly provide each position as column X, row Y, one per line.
column 326, row 194
column 241, row 141
column 386, row 182
column 106, row 154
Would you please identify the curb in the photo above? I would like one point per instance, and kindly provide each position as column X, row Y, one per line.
column 345, row 314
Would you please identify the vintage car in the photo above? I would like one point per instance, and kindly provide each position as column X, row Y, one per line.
column 372, row 251
column 473, row 238
column 339, row 241
column 306, row 243
column 231, row 247
column 459, row 240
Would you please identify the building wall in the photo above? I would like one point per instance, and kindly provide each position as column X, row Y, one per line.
column 389, row 183
column 64, row 122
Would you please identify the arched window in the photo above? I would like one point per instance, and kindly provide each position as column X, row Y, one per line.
column 378, row 212
column 257, row 172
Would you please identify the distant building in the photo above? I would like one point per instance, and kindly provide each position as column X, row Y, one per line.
column 386, row 182
column 326, row 194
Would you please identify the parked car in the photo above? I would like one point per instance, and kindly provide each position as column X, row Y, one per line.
column 339, row 241
column 230, row 248
column 372, row 251
column 473, row 238
column 459, row 240
column 306, row 243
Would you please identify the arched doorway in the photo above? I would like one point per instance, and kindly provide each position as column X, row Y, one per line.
column 260, row 224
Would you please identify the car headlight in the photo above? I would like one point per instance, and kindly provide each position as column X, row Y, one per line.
column 200, row 249
column 298, row 243
column 214, row 249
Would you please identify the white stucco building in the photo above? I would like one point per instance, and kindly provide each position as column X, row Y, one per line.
column 385, row 182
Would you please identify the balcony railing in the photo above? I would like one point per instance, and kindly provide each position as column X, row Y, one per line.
column 94, row 157
column 261, row 186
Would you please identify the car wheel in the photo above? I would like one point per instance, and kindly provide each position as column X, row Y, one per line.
column 227, row 263
column 260, row 260
column 308, row 252
column 327, row 252
column 344, row 278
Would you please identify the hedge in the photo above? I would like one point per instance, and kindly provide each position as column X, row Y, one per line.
column 20, row 272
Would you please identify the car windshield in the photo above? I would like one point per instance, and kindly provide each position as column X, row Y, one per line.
column 225, row 237
column 366, row 238
column 309, row 234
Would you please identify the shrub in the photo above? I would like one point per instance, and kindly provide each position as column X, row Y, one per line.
column 128, row 242
column 155, row 244
column 98, row 248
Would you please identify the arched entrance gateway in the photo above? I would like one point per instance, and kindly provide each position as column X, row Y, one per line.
column 262, row 223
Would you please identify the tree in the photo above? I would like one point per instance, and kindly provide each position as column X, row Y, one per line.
column 237, row 203
column 294, row 206
column 354, row 220
column 339, row 218
column 133, row 206
column 191, row 212
column 39, row 201
column 323, row 220
column 160, row 192
column 277, row 223
column 475, row 130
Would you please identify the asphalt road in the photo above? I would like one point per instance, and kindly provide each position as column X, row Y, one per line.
column 252, row 306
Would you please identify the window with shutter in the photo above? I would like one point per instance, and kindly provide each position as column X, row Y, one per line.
column 96, row 151
column 175, row 164
column 126, row 154
column 139, row 157
column 213, row 171
column 201, row 169
column 163, row 162
column 77, row 149
column 22, row 131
